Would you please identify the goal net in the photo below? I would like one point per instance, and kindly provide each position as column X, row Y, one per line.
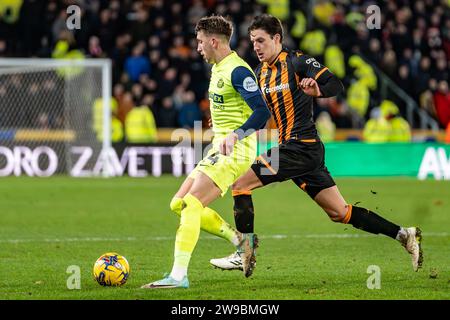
column 55, row 117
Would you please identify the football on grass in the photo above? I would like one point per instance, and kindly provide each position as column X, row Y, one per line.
column 111, row 269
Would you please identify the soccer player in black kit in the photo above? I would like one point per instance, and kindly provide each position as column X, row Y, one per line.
column 289, row 80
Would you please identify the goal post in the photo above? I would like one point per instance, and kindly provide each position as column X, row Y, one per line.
column 55, row 109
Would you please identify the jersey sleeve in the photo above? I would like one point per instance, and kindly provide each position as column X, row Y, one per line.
column 244, row 82
column 308, row 67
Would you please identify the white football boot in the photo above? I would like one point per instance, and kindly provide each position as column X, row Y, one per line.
column 232, row 262
column 412, row 243
column 244, row 258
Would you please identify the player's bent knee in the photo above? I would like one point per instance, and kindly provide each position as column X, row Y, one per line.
column 337, row 219
column 236, row 186
column 242, row 185
column 176, row 205
column 335, row 216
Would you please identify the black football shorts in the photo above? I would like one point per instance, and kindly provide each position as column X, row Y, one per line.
column 301, row 161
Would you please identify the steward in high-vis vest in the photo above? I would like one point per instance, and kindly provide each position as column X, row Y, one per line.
column 97, row 115
column 358, row 97
column 279, row 8
column 66, row 49
column 10, row 10
column 140, row 125
column 400, row 129
column 334, row 59
column 314, row 42
column 377, row 128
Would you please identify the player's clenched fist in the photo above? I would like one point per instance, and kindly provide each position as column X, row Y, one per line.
column 310, row 87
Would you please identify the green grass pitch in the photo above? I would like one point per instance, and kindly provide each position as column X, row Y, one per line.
column 47, row 225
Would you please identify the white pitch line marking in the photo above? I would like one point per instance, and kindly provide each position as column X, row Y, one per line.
column 169, row 238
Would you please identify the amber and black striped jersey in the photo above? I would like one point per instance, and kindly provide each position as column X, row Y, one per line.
column 291, row 108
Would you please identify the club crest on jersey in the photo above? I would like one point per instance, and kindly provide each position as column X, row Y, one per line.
column 220, row 83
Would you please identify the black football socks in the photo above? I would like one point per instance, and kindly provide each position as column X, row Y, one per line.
column 369, row 221
column 244, row 215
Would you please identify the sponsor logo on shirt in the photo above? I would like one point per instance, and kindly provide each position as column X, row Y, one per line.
column 216, row 98
column 280, row 87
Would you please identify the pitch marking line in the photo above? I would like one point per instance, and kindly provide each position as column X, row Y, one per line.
column 168, row 238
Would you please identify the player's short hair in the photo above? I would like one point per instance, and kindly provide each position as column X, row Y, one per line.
column 215, row 25
column 272, row 25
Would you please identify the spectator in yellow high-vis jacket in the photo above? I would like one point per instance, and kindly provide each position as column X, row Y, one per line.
column 400, row 130
column 140, row 125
